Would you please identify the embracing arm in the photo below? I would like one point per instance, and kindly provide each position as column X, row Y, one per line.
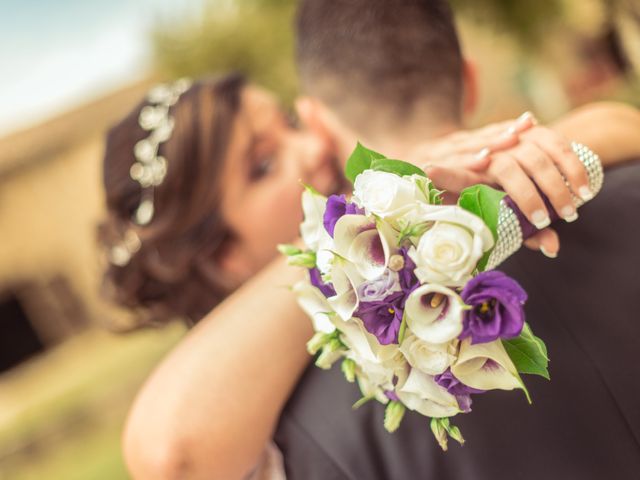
column 611, row 129
column 210, row 408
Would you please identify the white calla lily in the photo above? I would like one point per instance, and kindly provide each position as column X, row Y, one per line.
column 312, row 228
column 345, row 279
column 420, row 392
column 315, row 305
column 429, row 358
column 434, row 313
column 359, row 240
column 485, row 366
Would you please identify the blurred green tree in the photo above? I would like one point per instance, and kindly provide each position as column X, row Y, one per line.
column 254, row 37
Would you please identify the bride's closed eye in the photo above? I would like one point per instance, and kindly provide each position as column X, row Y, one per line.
column 262, row 167
column 262, row 159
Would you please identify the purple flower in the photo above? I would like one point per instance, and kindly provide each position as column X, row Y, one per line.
column 455, row 387
column 337, row 206
column 497, row 311
column 382, row 318
column 316, row 280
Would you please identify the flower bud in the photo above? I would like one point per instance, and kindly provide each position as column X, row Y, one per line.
column 396, row 262
column 393, row 414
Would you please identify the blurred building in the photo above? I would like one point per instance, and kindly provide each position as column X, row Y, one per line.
column 50, row 204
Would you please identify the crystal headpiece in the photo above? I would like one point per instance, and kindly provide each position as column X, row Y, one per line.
column 149, row 168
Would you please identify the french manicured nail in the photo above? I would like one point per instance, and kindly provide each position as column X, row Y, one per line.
column 525, row 116
column 540, row 219
column 530, row 117
column 484, row 153
column 569, row 213
column 547, row 253
column 585, row 193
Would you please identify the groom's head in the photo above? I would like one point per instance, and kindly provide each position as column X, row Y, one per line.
column 382, row 65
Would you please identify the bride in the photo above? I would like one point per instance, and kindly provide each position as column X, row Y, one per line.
column 202, row 182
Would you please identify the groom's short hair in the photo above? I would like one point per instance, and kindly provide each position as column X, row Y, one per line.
column 358, row 55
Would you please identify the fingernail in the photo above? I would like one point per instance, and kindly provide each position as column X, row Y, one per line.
column 540, row 219
column 585, row 193
column 547, row 253
column 482, row 153
column 528, row 116
column 569, row 213
column 524, row 116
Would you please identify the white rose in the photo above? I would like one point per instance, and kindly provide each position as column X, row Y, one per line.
column 485, row 366
column 385, row 194
column 429, row 358
column 420, row 392
column 449, row 251
column 434, row 313
column 368, row 246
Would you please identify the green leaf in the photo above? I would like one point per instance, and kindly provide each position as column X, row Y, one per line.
column 528, row 353
column 397, row 167
column 484, row 202
column 359, row 161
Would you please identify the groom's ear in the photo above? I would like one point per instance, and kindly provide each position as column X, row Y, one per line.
column 470, row 87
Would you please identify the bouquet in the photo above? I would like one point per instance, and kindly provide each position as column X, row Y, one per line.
column 401, row 289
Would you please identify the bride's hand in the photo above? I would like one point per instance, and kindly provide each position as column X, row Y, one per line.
column 516, row 156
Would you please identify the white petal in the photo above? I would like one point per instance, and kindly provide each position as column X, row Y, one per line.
column 345, row 279
column 431, row 324
column 485, row 366
column 313, row 206
column 421, row 393
column 314, row 304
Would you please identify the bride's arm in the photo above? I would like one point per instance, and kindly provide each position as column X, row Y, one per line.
column 611, row 129
column 210, row 408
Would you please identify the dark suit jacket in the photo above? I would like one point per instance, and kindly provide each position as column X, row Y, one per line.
column 584, row 424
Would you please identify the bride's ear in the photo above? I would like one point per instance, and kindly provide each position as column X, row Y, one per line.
column 470, row 87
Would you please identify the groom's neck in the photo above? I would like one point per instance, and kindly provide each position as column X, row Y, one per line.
column 398, row 141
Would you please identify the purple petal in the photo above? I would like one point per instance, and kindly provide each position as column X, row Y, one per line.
column 316, row 280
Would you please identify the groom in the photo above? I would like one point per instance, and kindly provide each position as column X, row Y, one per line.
column 585, row 423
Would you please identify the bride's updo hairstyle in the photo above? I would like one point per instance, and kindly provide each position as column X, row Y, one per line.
column 163, row 226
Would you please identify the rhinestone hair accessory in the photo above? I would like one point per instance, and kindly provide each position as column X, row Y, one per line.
column 149, row 168
column 510, row 229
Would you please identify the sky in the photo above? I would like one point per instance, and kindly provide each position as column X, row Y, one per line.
column 57, row 55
